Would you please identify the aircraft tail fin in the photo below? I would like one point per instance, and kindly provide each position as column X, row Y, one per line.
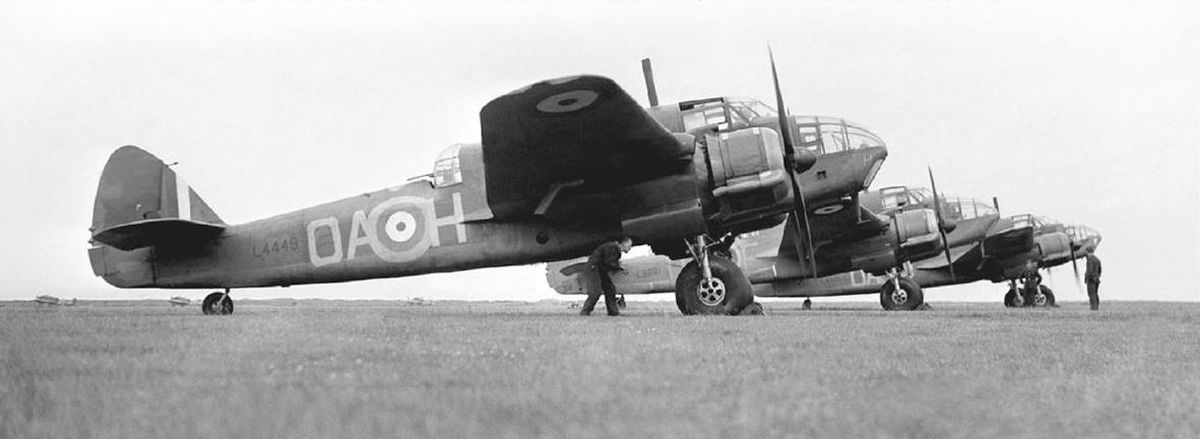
column 142, row 202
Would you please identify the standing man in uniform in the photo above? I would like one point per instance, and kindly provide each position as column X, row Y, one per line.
column 606, row 259
column 1092, row 277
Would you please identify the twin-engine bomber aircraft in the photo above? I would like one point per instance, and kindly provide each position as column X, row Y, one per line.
column 982, row 245
column 563, row 165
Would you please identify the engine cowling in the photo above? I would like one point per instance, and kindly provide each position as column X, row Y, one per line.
column 912, row 235
column 747, row 185
column 738, row 184
column 1052, row 246
column 916, row 227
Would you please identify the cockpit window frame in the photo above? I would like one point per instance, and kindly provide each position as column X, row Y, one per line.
column 447, row 169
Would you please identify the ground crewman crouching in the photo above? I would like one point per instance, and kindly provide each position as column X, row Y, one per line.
column 604, row 261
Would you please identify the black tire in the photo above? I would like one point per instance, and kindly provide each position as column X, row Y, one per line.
column 908, row 298
column 211, row 306
column 1046, row 291
column 728, row 297
column 1013, row 299
column 621, row 302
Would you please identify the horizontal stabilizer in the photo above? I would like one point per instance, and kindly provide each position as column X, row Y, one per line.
column 162, row 231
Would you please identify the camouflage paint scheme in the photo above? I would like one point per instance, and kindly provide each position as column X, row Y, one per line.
column 563, row 165
column 984, row 246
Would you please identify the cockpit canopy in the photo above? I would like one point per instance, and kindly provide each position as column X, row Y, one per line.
column 821, row 134
column 1081, row 233
column 957, row 208
column 827, row 135
column 968, row 208
column 1035, row 221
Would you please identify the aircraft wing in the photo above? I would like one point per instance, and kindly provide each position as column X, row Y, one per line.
column 829, row 225
column 582, row 131
column 939, row 261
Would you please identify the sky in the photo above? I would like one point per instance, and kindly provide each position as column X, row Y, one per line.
column 1086, row 111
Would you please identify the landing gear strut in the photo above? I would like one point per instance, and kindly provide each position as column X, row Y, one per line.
column 217, row 303
column 711, row 284
column 899, row 292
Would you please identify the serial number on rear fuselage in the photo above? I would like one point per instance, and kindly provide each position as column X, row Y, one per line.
column 268, row 247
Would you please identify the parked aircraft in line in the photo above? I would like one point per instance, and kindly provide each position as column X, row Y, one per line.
column 982, row 246
column 180, row 301
column 563, row 165
column 1057, row 244
column 51, row 300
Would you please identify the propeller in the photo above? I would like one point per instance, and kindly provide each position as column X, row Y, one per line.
column 937, row 202
column 789, row 158
column 1075, row 268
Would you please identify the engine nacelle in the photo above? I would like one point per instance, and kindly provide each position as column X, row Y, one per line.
column 1053, row 246
column 916, row 227
column 748, row 186
column 913, row 235
column 738, row 184
column 739, row 181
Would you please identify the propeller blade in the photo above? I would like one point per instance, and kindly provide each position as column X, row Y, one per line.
column 937, row 202
column 1075, row 268
column 785, row 128
column 789, row 159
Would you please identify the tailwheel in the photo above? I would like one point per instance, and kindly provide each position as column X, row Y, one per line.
column 621, row 302
column 217, row 303
column 727, row 291
column 901, row 294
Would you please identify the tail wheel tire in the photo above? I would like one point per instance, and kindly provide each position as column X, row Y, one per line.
column 726, row 293
column 908, row 297
column 1014, row 299
column 213, row 304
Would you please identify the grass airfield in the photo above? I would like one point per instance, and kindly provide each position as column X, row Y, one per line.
column 507, row 370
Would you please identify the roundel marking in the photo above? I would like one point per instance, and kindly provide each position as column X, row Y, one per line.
column 833, row 208
column 567, row 102
column 401, row 228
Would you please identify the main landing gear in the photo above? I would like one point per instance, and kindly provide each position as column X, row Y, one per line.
column 217, row 303
column 712, row 284
column 1028, row 291
column 899, row 292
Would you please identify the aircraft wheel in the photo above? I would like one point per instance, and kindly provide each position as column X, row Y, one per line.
column 621, row 302
column 1038, row 299
column 728, row 292
column 1014, row 299
column 908, row 297
column 214, row 305
column 1048, row 296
